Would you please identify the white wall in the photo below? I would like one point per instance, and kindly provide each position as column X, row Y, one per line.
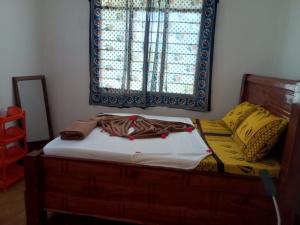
column 288, row 61
column 245, row 42
column 52, row 36
column 19, row 43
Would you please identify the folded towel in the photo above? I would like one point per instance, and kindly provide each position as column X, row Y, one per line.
column 78, row 130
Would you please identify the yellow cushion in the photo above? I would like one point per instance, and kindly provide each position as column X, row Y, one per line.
column 212, row 127
column 238, row 114
column 233, row 161
column 258, row 133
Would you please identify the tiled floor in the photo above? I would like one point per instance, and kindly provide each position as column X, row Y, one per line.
column 12, row 211
column 12, row 205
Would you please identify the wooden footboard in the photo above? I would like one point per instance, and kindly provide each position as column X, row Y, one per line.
column 143, row 195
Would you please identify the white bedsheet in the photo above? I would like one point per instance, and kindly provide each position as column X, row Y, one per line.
column 179, row 150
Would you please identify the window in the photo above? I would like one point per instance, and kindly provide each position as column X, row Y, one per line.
column 152, row 53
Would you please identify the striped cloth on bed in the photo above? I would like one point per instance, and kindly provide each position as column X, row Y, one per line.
column 226, row 156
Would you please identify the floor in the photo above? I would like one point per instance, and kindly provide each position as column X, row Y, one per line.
column 12, row 211
column 12, row 205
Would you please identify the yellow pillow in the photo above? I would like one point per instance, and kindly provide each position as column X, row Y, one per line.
column 258, row 133
column 238, row 114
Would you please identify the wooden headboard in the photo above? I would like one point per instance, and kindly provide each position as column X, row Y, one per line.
column 281, row 97
column 276, row 95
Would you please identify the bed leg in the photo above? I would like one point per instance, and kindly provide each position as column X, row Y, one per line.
column 35, row 215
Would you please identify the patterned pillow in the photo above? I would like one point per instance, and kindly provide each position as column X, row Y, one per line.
column 238, row 114
column 258, row 133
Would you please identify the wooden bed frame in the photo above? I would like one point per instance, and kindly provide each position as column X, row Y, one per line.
column 155, row 195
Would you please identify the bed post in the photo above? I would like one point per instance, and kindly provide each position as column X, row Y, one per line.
column 243, row 88
column 34, row 213
column 289, row 195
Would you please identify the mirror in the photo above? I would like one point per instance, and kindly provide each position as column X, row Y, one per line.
column 31, row 95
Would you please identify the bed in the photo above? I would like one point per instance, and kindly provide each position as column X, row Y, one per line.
column 142, row 194
column 179, row 150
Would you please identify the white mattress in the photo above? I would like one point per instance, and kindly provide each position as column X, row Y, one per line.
column 179, row 150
